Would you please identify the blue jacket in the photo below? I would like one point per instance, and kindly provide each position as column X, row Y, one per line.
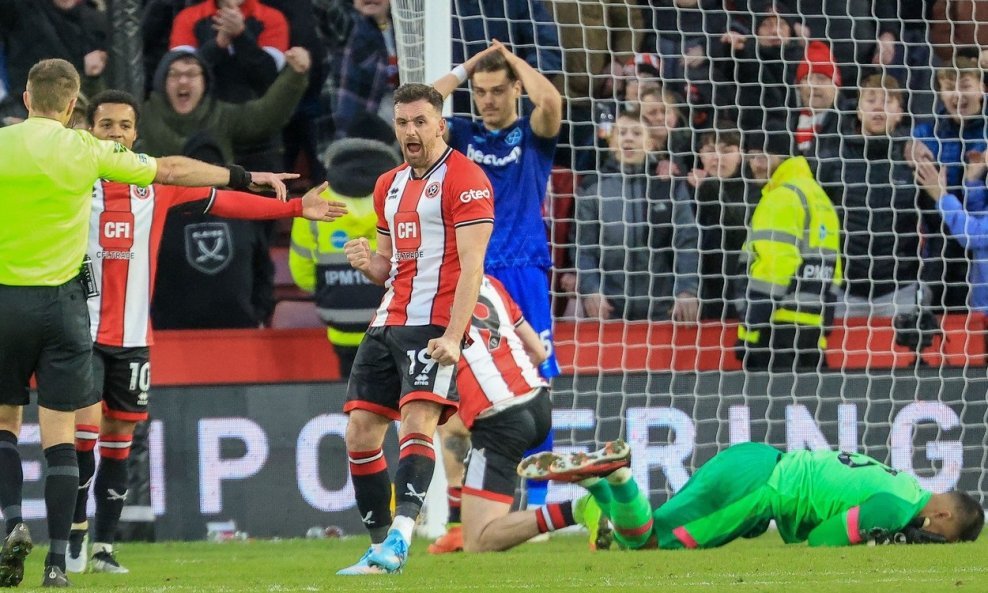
column 970, row 228
column 950, row 143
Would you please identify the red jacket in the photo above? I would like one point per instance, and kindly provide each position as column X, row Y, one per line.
column 272, row 30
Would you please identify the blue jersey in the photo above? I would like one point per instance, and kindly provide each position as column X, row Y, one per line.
column 518, row 164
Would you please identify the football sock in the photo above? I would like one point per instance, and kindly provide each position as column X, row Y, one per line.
column 554, row 516
column 85, row 443
column 630, row 513
column 372, row 489
column 61, row 487
column 454, row 496
column 601, row 492
column 11, row 480
column 110, row 488
column 416, row 464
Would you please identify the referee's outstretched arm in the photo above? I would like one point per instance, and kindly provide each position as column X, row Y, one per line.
column 180, row 170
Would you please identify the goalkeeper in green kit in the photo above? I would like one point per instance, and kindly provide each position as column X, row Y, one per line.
column 824, row 497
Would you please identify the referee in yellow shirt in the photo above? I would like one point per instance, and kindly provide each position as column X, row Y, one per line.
column 47, row 172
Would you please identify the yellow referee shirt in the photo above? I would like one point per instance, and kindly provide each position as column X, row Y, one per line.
column 47, row 172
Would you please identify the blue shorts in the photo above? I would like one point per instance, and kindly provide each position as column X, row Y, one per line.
column 529, row 287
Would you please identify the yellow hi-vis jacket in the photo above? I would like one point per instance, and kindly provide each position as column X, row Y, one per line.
column 345, row 298
column 793, row 250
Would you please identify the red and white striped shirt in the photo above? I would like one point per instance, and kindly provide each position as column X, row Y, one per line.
column 495, row 370
column 125, row 231
column 421, row 215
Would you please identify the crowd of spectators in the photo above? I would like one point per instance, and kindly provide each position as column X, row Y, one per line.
column 665, row 104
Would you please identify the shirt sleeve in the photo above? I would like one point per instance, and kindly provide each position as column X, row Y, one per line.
column 173, row 196
column 117, row 163
column 275, row 32
column 235, row 204
column 469, row 197
column 183, row 34
column 881, row 512
column 379, row 190
column 514, row 311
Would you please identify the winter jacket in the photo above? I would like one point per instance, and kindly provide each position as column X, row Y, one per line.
column 636, row 240
column 875, row 194
column 164, row 132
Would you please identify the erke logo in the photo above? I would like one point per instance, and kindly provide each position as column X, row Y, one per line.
column 408, row 230
column 475, row 194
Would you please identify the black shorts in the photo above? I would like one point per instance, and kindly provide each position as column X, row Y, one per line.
column 392, row 368
column 44, row 331
column 122, row 377
column 499, row 442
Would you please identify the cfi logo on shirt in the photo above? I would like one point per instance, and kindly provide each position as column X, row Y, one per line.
column 433, row 189
column 475, row 194
column 514, row 137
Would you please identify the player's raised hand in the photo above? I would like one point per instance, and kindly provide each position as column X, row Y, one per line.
column 444, row 350
column 358, row 253
column 315, row 207
column 271, row 181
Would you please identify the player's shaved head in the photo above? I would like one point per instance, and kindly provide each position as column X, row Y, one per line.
column 970, row 516
column 52, row 84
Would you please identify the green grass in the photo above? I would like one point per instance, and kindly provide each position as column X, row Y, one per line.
column 563, row 564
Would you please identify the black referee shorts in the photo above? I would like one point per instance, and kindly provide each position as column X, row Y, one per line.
column 44, row 331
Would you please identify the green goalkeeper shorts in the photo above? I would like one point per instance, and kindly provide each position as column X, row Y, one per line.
column 726, row 498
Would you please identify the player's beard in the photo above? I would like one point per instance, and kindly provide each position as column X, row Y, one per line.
column 419, row 159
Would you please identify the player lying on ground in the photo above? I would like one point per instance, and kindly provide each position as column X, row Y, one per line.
column 824, row 497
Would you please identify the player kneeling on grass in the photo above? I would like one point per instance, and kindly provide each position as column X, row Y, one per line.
column 824, row 497
column 505, row 404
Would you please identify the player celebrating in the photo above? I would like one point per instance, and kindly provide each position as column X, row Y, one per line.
column 435, row 215
column 125, row 233
column 825, row 497
column 516, row 153
column 506, row 405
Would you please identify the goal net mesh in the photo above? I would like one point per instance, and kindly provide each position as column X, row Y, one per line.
column 902, row 376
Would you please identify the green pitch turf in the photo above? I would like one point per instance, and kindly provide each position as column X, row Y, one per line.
column 563, row 564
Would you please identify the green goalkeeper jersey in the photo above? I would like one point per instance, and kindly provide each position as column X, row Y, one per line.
column 837, row 498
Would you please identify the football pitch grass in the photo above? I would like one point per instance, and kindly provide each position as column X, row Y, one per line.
column 562, row 564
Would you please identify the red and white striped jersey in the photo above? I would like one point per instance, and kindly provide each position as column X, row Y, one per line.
column 495, row 368
column 421, row 215
column 124, row 238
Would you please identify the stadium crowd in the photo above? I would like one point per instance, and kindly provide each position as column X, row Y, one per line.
column 868, row 94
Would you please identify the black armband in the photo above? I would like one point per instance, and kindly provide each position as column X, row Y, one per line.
column 239, row 178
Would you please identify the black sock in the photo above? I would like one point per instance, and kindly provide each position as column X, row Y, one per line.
column 416, row 463
column 372, row 489
column 110, row 489
column 61, row 487
column 11, row 480
column 85, row 442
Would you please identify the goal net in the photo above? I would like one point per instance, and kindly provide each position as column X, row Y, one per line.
column 669, row 112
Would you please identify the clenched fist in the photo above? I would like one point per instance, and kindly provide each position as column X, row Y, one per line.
column 298, row 59
column 358, row 253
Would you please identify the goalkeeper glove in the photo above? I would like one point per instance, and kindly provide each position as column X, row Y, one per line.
column 913, row 533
